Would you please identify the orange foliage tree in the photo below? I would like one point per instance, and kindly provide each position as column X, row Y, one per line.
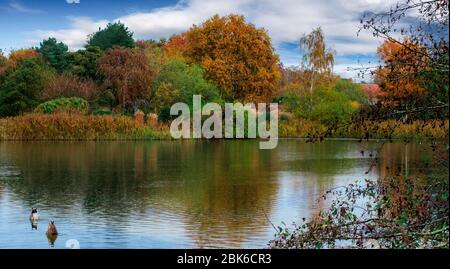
column 236, row 55
column 17, row 55
column 176, row 45
column 398, row 76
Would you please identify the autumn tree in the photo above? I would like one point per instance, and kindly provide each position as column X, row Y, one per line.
column 176, row 45
column 236, row 55
column 426, row 45
column 115, row 34
column 128, row 72
column 318, row 60
column 67, row 85
column 398, row 76
column 55, row 53
column 146, row 44
column 17, row 55
column 154, row 50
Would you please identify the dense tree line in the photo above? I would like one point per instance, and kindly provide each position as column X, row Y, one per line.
column 115, row 72
column 226, row 59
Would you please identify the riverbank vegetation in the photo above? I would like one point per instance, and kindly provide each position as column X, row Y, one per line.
column 224, row 59
column 66, row 126
column 63, row 126
column 369, row 129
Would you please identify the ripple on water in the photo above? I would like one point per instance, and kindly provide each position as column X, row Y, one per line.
column 9, row 172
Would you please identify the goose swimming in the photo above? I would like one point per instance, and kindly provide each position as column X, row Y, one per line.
column 34, row 216
column 51, row 229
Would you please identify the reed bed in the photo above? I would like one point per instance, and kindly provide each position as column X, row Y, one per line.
column 63, row 126
column 389, row 129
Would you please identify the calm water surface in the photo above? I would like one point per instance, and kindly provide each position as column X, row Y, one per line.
column 176, row 194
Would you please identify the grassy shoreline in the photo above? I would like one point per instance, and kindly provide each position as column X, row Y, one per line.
column 65, row 127
column 387, row 129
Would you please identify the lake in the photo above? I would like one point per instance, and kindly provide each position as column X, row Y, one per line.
column 177, row 194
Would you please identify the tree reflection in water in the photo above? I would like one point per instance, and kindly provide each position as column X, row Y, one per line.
column 178, row 193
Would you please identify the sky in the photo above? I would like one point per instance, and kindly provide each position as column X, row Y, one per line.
column 25, row 23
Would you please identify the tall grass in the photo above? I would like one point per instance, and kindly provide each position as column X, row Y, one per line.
column 391, row 129
column 63, row 126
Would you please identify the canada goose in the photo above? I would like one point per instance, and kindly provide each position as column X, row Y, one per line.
column 51, row 229
column 34, row 216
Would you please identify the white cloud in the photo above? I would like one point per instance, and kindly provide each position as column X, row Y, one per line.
column 353, row 70
column 18, row 7
column 75, row 37
column 285, row 21
column 73, row 1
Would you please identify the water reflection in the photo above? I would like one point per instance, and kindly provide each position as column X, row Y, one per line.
column 51, row 239
column 172, row 193
column 34, row 224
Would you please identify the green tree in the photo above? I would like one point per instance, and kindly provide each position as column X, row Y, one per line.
column 331, row 107
column 55, row 53
column 20, row 91
column 178, row 82
column 353, row 91
column 327, row 106
column 83, row 63
column 3, row 59
column 115, row 34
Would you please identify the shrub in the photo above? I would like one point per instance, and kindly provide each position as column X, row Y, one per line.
column 67, row 105
column 353, row 91
column 330, row 107
column 284, row 117
column 107, row 98
column 291, row 98
column 70, row 86
column 326, row 106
